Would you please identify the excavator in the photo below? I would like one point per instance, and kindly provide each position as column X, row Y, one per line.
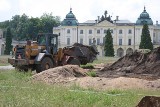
column 44, row 54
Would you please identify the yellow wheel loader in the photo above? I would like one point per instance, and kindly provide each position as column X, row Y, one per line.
column 44, row 54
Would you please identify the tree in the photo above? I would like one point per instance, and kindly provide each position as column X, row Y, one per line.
column 22, row 27
column 145, row 39
column 34, row 28
column 19, row 26
column 48, row 21
column 108, row 46
column 8, row 43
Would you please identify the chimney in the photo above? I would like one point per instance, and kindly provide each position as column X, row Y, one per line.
column 156, row 22
column 96, row 21
column 98, row 18
column 117, row 18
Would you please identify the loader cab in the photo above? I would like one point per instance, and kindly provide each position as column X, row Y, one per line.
column 49, row 40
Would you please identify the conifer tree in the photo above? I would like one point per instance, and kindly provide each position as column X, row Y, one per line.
column 8, row 47
column 145, row 39
column 108, row 46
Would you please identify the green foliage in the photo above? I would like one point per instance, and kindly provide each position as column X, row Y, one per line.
column 34, row 28
column 92, row 74
column 108, row 46
column 145, row 39
column 48, row 21
column 8, row 47
column 88, row 66
column 22, row 27
column 19, row 26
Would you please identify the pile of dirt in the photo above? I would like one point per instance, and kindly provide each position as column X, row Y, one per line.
column 62, row 74
column 144, row 65
column 69, row 75
column 149, row 101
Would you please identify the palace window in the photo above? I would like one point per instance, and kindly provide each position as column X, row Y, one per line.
column 81, row 31
column 111, row 30
column 81, row 40
column 68, row 41
column 68, row 31
column 120, row 41
column 90, row 41
column 129, row 31
column 98, row 41
column 120, row 32
column 90, row 31
column 129, row 41
column 98, row 31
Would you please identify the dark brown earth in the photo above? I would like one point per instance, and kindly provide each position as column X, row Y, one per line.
column 138, row 65
column 149, row 101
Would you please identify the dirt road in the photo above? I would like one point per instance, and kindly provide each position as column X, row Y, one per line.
column 9, row 67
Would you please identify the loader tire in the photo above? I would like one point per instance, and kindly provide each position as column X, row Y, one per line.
column 74, row 61
column 46, row 63
column 21, row 69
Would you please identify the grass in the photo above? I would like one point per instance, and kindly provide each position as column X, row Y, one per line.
column 16, row 90
column 92, row 74
column 105, row 60
column 87, row 66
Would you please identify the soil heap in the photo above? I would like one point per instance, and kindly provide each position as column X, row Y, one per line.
column 62, row 74
column 136, row 64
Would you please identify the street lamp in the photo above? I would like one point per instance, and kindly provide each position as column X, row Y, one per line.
column 77, row 33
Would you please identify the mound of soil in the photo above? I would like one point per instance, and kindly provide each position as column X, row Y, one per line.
column 62, row 74
column 69, row 75
column 149, row 101
column 141, row 64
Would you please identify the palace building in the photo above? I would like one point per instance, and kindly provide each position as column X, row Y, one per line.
column 126, row 35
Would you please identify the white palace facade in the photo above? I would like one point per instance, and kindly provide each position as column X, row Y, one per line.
column 126, row 35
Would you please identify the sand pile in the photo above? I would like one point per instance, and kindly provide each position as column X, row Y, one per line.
column 142, row 64
column 62, row 74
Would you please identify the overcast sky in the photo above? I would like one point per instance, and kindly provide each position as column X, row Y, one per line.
column 83, row 9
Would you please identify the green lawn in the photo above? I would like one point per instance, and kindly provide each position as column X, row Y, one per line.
column 17, row 90
column 4, row 60
column 105, row 60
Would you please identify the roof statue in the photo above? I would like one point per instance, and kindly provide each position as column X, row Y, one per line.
column 104, row 17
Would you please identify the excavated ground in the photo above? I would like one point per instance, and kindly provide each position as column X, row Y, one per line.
column 137, row 65
column 137, row 70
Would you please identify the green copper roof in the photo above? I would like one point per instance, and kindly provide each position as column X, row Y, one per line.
column 144, row 18
column 70, row 20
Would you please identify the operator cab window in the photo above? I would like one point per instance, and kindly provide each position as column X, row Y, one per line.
column 41, row 40
column 53, row 41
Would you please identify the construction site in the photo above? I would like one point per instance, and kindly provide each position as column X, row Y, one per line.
column 132, row 71
column 135, row 71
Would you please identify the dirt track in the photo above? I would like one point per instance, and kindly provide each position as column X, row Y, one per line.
column 9, row 67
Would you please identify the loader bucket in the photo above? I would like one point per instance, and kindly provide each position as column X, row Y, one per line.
column 83, row 53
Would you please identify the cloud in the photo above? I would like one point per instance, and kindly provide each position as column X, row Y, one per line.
column 83, row 9
column 5, row 5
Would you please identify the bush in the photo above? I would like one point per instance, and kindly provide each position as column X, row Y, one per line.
column 92, row 74
column 88, row 66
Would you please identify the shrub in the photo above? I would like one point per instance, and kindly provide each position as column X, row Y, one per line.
column 92, row 74
column 88, row 66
